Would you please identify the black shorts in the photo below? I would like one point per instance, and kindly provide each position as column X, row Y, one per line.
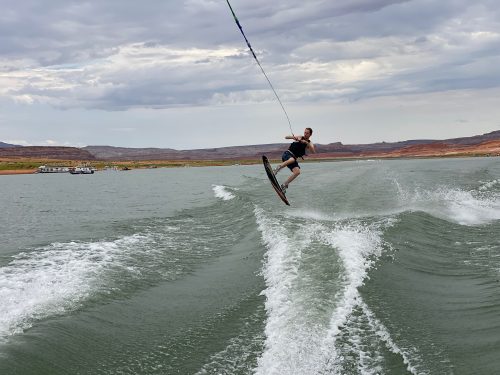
column 287, row 155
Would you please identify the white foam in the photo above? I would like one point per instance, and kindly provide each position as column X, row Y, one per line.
column 488, row 185
column 222, row 192
column 460, row 206
column 468, row 209
column 358, row 247
column 290, row 342
column 297, row 342
column 57, row 278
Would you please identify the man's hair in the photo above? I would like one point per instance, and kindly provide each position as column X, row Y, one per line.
column 310, row 130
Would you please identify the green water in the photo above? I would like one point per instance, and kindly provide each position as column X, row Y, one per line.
column 385, row 267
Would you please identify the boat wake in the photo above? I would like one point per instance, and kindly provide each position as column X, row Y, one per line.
column 317, row 321
column 465, row 207
column 57, row 278
column 222, row 192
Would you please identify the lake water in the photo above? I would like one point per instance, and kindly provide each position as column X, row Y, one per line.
column 378, row 267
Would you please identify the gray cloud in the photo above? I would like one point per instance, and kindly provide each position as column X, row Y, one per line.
column 117, row 55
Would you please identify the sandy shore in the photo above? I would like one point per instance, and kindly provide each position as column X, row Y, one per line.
column 18, row 171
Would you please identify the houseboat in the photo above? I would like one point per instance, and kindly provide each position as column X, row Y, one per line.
column 49, row 169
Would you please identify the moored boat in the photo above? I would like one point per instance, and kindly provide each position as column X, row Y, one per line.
column 81, row 170
column 52, row 169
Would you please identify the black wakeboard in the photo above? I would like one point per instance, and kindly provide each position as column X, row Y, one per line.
column 273, row 180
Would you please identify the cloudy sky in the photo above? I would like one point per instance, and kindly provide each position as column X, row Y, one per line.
column 178, row 74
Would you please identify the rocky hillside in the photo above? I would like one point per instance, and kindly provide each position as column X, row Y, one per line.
column 485, row 144
column 383, row 149
column 235, row 152
column 46, row 152
column 440, row 148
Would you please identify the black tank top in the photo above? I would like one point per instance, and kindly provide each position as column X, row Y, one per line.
column 298, row 149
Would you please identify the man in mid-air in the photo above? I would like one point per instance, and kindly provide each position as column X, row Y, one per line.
column 296, row 150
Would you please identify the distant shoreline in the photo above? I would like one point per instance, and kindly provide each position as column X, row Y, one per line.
column 20, row 166
column 99, row 157
column 5, row 172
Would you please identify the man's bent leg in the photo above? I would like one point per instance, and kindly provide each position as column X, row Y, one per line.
column 293, row 176
column 284, row 164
